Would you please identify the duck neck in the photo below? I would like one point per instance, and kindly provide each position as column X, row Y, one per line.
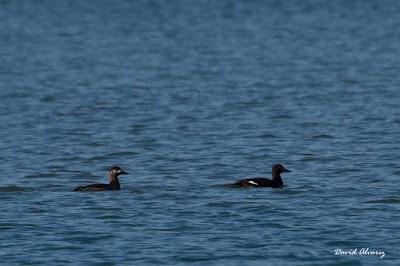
column 114, row 182
column 276, row 178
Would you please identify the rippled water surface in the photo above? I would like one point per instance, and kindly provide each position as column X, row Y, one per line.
column 188, row 96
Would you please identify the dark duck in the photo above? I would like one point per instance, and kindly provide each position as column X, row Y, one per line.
column 275, row 182
column 113, row 174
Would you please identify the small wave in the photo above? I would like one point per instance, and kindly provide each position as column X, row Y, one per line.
column 40, row 175
column 267, row 135
column 111, row 155
column 384, row 201
column 322, row 136
column 122, row 153
column 14, row 189
column 47, row 99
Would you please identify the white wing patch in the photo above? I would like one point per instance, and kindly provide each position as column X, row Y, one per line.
column 253, row 183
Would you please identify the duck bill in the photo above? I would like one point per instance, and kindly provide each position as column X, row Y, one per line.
column 286, row 170
column 123, row 172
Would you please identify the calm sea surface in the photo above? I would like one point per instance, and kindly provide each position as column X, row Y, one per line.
column 188, row 96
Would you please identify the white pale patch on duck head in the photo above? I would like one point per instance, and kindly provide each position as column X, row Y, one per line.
column 253, row 183
column 115, row 171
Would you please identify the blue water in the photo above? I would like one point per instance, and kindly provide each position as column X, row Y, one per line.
column 188, row 96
